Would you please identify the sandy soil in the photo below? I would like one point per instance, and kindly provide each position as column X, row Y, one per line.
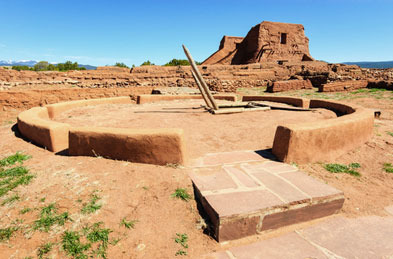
column 204, row 132
column 143, row 192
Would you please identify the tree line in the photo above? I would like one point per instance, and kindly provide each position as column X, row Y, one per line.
column 173, row 62
column 46, row 66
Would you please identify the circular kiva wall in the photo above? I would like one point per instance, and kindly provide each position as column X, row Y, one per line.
column 300, row 142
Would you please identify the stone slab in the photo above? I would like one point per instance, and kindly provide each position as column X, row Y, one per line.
column 245, row 198
column 287, row 246
column 366, row 237
column 337, row 237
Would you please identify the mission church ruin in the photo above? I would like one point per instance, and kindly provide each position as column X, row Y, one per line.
column 265, row 42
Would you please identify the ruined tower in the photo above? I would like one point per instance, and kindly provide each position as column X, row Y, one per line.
column 265, row 42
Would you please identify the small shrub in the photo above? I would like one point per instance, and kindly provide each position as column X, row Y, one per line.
column 182, row 194
column 11, row 199
column 25, row 210
column 339, row 168
column 6, row 233
column 388, row 167
column 128, row 224
column 73, row 246
column 44, row 249
column 181, row 252
column 181, row 239
column 92, row 206
column 96, row 234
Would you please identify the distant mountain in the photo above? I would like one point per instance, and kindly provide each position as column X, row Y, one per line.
column 28, row 63
column 31, row 63
column 88, row 67
column 370, row 64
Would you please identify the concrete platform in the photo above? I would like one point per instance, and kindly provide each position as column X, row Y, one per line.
column 245, row 194
column 339, row 238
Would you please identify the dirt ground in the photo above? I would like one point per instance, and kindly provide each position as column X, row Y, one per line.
column 143, row 192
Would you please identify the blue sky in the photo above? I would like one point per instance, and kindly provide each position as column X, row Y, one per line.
column 104, row 32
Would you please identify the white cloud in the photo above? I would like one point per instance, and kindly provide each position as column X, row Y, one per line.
column 2, row 45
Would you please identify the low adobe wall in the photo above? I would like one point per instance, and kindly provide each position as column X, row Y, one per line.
column 324, row 140
column 150, row 98
column 301, row 143
column 142, row 146
column 388, row 85
column 158, row 146
column 35, row 125
column 343, row 86
column 281, row 86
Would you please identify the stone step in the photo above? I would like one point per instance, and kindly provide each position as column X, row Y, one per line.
column 254, row 194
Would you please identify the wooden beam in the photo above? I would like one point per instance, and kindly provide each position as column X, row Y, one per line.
column 208, row 104
column 200, row 78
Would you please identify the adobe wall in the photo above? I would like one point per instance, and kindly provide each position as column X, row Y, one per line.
column 25, row 99
column 153, row 146
column 343, row 86
column 326, row 140
column 282, row 86
column 220, row 78
column 300, row 143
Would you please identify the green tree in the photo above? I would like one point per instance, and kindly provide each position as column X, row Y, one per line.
column 19, row 68
column 120, row 64
column 178, row 62
column 52, row 67
column 147, row 63
column 41, row 66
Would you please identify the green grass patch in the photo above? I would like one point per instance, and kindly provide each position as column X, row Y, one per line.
column 339, row 168
column 44, row 249
column 96, row 234
column 182, row 239
column 92, row 206
column 25, row 210
column 11, row 178
column 388, row 167
column 73, row 246
column 11, row 160
column 49, row 218
column 181, row 193
column 128, row 224
column 389, row 133
column 11, row 199
column 6, row 233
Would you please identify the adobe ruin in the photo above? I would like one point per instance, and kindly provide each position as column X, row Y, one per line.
column 265, row 42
